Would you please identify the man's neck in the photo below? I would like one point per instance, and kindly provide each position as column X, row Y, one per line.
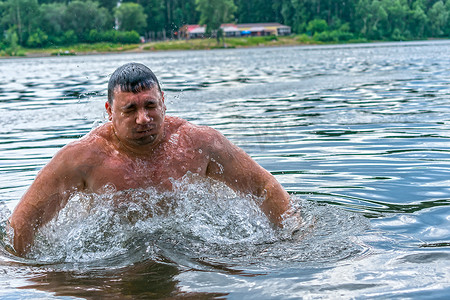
column 136, row 150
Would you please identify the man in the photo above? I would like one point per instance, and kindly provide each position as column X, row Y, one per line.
column 140, row 147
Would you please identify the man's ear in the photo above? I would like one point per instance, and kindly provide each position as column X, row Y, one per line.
column 163, row 100
column 108, row 110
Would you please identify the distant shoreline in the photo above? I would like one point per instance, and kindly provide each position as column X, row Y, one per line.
column 192, row 44
column 177, row 45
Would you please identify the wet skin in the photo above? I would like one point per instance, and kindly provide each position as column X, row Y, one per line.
column 140, row 147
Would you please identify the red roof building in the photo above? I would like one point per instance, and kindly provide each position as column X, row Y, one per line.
column 236, row 30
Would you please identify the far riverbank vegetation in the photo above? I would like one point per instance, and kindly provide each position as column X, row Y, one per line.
column 63, row 27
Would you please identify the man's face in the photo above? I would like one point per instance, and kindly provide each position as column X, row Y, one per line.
column 138, row 117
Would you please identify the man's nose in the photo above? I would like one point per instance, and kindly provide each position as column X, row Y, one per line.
column 143, row 117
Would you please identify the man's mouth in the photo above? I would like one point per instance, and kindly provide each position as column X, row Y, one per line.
column 145, row 130
column 144, row 137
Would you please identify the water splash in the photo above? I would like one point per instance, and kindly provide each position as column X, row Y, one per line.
column 200, row 224
column 6, row 234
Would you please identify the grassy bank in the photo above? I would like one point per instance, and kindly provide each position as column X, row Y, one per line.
column 193, row 44
column 80, row 49
column 203, row 44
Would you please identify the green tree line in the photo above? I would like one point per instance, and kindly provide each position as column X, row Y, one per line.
column 40, row 23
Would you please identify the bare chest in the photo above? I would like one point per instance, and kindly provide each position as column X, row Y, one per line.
column 171, row 162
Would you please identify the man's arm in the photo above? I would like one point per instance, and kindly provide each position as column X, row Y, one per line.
column 44, row 198
column 230, row 164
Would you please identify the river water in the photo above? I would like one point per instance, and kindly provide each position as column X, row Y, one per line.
column 359, row 135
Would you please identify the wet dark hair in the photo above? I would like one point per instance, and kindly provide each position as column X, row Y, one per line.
column 131, row 77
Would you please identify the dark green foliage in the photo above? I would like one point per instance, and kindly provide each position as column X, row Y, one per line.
column 69, row 38
column 113, row 36
column 52, row 17
column 83, row 16
column 317, row 26
column 213, row 13
column 41, row 23
column 37, row 39
column 130, row 16
column 22, row 15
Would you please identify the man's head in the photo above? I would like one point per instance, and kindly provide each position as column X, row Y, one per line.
column 136, row 106
column 131, row 77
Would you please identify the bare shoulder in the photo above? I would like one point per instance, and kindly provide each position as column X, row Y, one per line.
column 87, row 150
column 203, row 136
